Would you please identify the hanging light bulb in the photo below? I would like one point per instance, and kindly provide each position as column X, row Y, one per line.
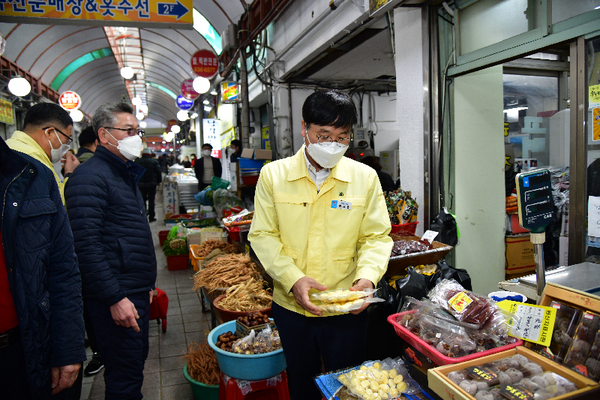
column 19, row 86
column 76, row 115
column 143, row 108
column 182, row 115
column 127, row 72
column 140, row 115
column 136, row 101
column 201, row 85
column 143, row 124
column 206, row 102
column 213, row 92
column 175, row 129
column 194, row 115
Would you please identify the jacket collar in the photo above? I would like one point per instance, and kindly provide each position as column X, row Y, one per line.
column 298, row 168
column 126, row 167
column 23, row 143
column 10, row 163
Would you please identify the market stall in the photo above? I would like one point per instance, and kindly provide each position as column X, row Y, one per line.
column 179, row 187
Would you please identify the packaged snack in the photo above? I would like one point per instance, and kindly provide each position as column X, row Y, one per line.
column 463, row 304
column 584, row 338
column 375, row 380
column 567, row 319
column 342, row 300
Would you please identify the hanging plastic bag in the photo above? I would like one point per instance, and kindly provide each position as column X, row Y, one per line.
column 445, row 224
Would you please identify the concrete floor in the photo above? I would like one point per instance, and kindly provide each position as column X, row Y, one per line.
column 163, row 374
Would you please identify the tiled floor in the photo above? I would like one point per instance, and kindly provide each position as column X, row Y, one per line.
column 163, row 374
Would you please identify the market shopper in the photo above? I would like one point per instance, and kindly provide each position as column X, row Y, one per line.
column 320, row 222
column 41, row 322
column 115, row 249
column 206, row 167
column 236, row 148
column 149, row 181
column 46, row 137
column 385, row 179
column 88, row 141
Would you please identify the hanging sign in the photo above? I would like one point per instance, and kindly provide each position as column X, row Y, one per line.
column 205, row 63
column 230, row 92
column 135, row 13
column 187, row 89
column 183, row 103
column 6, row 112
column 69, row 100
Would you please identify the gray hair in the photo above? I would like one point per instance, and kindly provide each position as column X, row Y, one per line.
column 105, row 115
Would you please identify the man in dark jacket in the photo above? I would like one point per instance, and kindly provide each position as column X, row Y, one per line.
column 88, row 141
column 148, row 182
column 206, row 167
column 115, row 249
column 41, row 322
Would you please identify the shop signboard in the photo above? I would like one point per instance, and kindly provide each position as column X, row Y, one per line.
column 135, row 13
column 230, row 92
column 594, row 96
column 187, row 89
column 205, row 63
column 183, row 103
column 69, row 100
column 6, row 112
column 210, row 129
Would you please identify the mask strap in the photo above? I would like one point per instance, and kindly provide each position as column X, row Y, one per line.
column 113, row 138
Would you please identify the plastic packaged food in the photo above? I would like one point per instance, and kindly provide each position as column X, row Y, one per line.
column 463, row 304
column 342, row 300
column 402, row 247
column 567, row 319
column 375, row 380
column 583, row 340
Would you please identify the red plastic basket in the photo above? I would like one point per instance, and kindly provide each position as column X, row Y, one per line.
column 162, row 236
column 430, row 352
column 177, row 263
column 405, row 229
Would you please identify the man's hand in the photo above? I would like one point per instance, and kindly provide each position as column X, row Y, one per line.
column 70, row 162
column 362, row 284
column 300, row 290
column 125, row 314
column 64, row 377
column 151, row 296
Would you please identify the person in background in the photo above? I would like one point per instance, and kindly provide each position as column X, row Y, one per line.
column 186, row 162
column 41, row 323
column 193, row 158
column 236, row 147
column 320, row 222
column 114, row 246
column 386, row 180
column 149, row 181
column 46, row 137
column 207, row 167
column 87, row 142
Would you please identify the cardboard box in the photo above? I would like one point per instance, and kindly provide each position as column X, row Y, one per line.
column 263, row 154
column 520, row 256
column 448, row 390
column 247, row 153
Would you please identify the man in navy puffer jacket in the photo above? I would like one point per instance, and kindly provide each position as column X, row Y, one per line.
column 114, row 245
column 42, row 335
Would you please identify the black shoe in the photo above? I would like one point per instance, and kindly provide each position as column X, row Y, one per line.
column 151, row 219
column 94, row 366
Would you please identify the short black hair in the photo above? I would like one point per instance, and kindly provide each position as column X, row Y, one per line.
column 43, row 114
column 329, row 108
column 237, row 143
column 87, row 137
column 207, row 145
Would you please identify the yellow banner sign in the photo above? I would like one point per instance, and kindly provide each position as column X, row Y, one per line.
column 6, row 112
column 101, row 12
column 594, row 95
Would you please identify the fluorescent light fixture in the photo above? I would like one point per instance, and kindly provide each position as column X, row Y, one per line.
column 175, row 129
column 76, row 115
column 182, row 115
column 127, row 72
column 19, row 86
column 201, row 85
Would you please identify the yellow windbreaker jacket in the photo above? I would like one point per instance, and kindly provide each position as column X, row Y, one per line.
column 22, row 142
column 298, row 231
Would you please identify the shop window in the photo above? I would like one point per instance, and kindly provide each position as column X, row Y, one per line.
column 563, row 10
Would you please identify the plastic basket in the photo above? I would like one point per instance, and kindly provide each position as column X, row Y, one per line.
column 225, row 315
column 405, row 229
column 162, row 237
column 196, row 261
column 177, row 263
column 250, row 163
column 201, row 391
column 430, row 352
column 251, row 367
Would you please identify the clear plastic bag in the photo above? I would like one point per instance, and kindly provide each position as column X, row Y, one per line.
column 343, row 300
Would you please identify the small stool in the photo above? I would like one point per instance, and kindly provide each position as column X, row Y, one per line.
column 275, row 388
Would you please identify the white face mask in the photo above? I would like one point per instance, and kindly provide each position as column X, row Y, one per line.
column 327, row 155
column 57, row 154
column 206, row 152
column 130, row 147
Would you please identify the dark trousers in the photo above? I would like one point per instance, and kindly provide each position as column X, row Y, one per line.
column 123, row 351
column 339, row 341
column 149, row 194
column 89, row 329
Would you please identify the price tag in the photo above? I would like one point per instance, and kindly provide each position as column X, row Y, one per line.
column 515, row 392
column 531, row 322
column 429, row 236
column 482, row 374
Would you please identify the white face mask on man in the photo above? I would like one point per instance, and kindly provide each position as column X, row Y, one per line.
column 57, row 154
column 206, row 153
column 130, row 147
column 327, row 154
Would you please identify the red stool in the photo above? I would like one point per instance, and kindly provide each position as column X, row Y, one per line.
column 275, row 388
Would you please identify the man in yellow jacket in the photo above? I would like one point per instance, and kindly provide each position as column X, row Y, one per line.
column 46, row 136
column 320, row 222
